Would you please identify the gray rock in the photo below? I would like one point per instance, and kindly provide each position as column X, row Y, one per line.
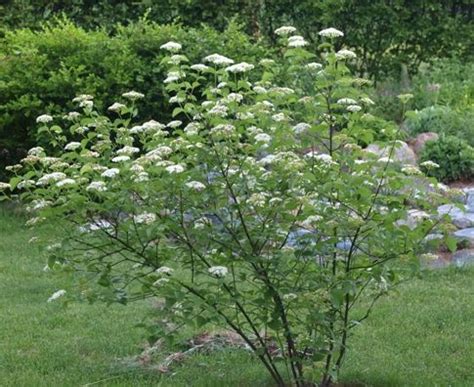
column 402, row 153
column 463, row 257
column 469, row 199
column 460, row 216
column 418, row 143
column 466, row 234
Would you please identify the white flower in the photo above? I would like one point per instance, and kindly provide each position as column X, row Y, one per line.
column 314, row 66
column 263, row 137
column 176, row 99
column 196, row 185
column 174, row 168
column 385, row 160
column 223, row 129
column 120, row 159
column 51, row 178
column 164, row 270
column 98, row 186
column 44, row 119
column 290, row 296
column 145, row 218
column 219, row 110
column 199, row 67
column 82, row 98
column 177, row 59
column 429, row 164
column 65, row 182
column 353, row 108
column 72, row 146
column 111, row 172
column 301, row 127
column 218, row 59
column 218, row 271
column 279, row 117
column 297, row 41
column 171, row 46
column 56, row 295
column 259, row 90
column 192, row 128
column 4, row 186
column 346, row 101
column 36, row 151
column 171, row 78
column 345, row 54
column 116, row 107
column 240, row 67
column 285, row 30
column 128, row 150
column 234, row 97
column 86, row 104
column 133, row 95
column 71, row 116
column 174, row 124
column 331, row 33
column 411, row 170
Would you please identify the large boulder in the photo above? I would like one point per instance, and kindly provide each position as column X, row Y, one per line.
column 402, row 153
column 460, row 217
column 418, row 143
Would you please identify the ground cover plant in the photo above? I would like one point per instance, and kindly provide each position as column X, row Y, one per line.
column 256, row 210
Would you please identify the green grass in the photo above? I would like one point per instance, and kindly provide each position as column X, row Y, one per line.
column 421, row 336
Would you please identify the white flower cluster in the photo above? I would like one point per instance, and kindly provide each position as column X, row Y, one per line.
column 331, row 33
column 296, row 41
column 218, row 60
column 44, row 119
column 145, row 218
column 241, row 67
column 171, row 46
column 218, row 271
column 133, row 95
column 285, row 30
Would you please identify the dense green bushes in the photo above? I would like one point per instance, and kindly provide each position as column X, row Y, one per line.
column 385, row 34
column 442, row 120
column 454, row 157
column 42, row 71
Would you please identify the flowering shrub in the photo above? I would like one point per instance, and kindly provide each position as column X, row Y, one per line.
column 256, row 210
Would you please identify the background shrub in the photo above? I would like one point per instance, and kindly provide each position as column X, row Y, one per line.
column 442, row 120
column 43, row 70
column 454, row 156
column 408, row 31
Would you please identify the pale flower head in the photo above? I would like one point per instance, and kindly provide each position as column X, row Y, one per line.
column 345, row 54
column 240, row 67
column 44, row 119
column 133, row 95
column 117, row 107
column 218, row 271
column 218, row 59
column 331, row 33
column 285, row 30
column 171, row 46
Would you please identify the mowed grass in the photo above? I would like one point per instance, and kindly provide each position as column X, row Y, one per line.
column 423, row 335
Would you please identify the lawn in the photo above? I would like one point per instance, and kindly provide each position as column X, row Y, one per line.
column 421, row 336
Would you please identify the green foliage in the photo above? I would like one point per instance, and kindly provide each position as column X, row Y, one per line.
column 454, row 157
column 384, row 34
column 256, row 210
column 42, row 71
column 442, row 120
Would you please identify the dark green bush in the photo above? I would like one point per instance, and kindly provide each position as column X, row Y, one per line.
column 42, row 71
column 454, row 156
column 385, row 34
column 442, row 120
